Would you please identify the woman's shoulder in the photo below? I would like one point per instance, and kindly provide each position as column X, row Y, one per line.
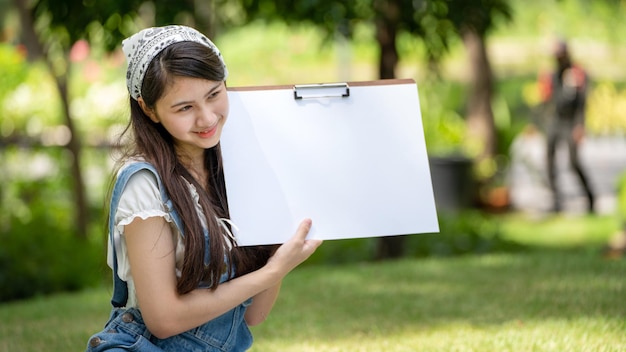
column 138, row 179
column 134, row 164
column 140, row 195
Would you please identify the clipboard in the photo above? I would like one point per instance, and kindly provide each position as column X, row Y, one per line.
column 350, row 156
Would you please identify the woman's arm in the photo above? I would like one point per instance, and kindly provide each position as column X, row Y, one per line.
column 262, row 305
column 151, row 252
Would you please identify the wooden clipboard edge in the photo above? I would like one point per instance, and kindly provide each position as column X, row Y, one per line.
column 381, row 82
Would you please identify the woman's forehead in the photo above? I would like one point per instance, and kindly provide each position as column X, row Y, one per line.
column 181, row 87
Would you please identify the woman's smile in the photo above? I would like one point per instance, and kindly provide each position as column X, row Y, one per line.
column 208, row 133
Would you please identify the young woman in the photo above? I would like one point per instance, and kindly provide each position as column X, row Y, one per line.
column 183, row 281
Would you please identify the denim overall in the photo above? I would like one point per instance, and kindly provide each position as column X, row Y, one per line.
column 126, row 331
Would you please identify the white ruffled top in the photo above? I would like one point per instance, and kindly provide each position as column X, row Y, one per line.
column 141, row 198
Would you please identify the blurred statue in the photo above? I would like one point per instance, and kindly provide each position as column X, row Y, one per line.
column 564, row 95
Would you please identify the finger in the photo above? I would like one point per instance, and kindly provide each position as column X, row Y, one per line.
column 312, row 245
column 303, row 229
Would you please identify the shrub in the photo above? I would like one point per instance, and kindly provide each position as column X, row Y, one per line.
column 38, row 258
column 41, row 252
column 465, row 232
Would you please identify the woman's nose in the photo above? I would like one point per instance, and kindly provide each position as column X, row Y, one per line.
column 207, row 117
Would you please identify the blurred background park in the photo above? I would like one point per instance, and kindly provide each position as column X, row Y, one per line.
column 504, row 273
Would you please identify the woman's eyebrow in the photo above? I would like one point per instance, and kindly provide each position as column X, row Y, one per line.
column 186, row 102
column 214, row 88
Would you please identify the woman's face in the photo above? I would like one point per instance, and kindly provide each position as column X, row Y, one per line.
column 193, row 111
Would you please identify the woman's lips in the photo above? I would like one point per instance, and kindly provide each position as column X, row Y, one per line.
column 207, row 133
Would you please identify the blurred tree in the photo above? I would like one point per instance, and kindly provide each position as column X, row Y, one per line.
column 50, row 28
column 436, row 22
column 473, row 20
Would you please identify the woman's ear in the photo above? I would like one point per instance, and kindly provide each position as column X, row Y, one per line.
column 148, row 111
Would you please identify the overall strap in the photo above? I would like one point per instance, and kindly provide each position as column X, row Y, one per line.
column 120, row 287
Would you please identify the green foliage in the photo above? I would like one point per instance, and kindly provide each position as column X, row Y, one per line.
column 39, row 257
column 437, row 22
column 466, row 232
column 33, row 186
column 511, row 112
column 72, row 20
column 13, row 72
column 30, row 105
column 605, row 110
column 329, row 16
column 33, row 106
column 571, row 18
column 444, row 127
column 13, row 67
column 40, row 252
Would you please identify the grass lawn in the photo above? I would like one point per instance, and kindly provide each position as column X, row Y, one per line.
column 549, row 298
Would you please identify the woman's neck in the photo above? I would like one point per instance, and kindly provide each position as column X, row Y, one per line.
column 195, row 165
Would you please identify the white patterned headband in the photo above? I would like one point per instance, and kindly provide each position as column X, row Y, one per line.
column 143, row 46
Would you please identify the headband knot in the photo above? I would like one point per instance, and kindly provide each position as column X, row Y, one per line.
column 145, row 45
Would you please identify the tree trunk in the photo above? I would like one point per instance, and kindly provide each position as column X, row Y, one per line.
column 387, row 18
column 204, row 16
column 28, row 35
column 388, row 15
column 81, row 211
column 480, row 122
column 75, row 148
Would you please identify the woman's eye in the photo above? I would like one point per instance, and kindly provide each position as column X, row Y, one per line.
column 185, row 108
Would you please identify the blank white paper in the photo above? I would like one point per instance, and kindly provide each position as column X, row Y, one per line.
column 357, row 165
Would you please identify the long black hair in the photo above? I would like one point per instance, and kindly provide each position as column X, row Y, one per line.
column 154, row 143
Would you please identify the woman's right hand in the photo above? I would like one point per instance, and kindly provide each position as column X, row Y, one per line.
column 295, row 251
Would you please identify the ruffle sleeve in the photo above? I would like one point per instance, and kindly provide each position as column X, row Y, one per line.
column 140, row 198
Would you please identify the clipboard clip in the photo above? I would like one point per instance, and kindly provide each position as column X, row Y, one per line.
column 321, row 90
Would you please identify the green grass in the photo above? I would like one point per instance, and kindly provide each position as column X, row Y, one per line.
column 540, row 301
column 561, row 295
column 562, row 231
